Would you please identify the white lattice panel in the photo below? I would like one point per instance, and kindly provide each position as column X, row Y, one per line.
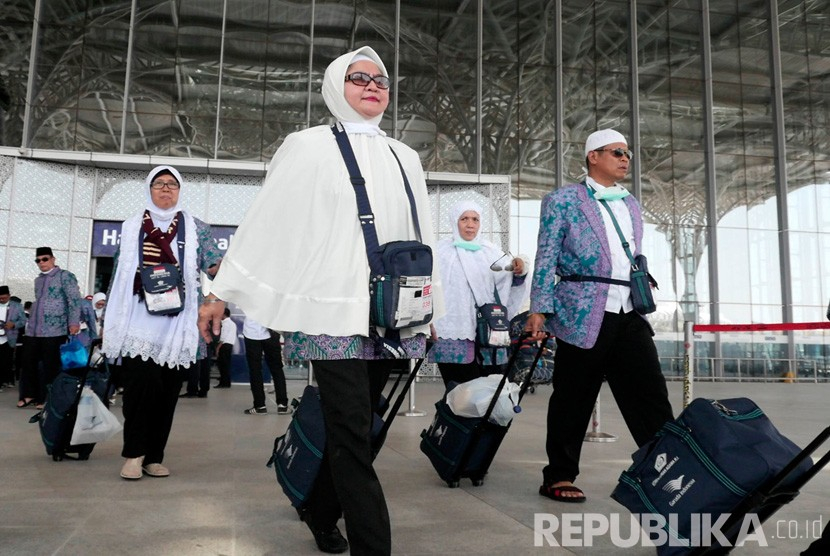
column 4, row 228
column 119, row 194
column 35, row 230
column 84, row 191
column 42, row 187
column 79, row 265
column 81, row 230
column 193, row 197
column 228, row 202
column 6, row 181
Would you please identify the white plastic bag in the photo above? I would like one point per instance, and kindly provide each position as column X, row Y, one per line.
column 95, row 423
column 472, row 398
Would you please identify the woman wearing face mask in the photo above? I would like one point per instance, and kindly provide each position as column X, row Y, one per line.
column 156, row 334
column 473, row 272
column 298, row 265
column 99, row 302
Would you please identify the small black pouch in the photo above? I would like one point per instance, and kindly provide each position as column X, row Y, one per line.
column 163, row 289
column 492, row 326
column 401, row 297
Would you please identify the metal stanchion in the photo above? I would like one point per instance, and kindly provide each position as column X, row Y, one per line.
column 595, row 435
column 310, row 374
column 688, row 361
column 412, row 412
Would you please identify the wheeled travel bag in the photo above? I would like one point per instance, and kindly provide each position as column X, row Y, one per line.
column 464, row 447
column 57, row 418
column 706, row 462
column 298, row 454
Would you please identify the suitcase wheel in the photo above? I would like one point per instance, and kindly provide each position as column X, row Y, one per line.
column 532, row 389
column 56, row 457
column 453, row 484
column 477, row 482
column 83, row 457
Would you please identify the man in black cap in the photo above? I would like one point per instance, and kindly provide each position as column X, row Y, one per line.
column 12, row 319
column 55, row 312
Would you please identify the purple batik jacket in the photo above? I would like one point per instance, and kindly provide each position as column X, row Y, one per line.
column 572, row 240
column 57, row 305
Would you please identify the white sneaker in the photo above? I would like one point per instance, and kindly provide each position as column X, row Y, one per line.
column 132, row 468
column 156, row 470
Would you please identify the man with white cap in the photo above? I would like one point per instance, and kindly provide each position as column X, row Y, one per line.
column 598, row 333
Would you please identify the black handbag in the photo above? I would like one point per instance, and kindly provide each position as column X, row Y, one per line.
column 492, row 324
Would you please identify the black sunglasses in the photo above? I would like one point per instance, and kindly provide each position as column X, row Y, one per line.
column 618, row 152
column 42, row 259
column 362, row 79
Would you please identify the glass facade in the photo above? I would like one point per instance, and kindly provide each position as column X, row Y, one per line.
column 726, row 104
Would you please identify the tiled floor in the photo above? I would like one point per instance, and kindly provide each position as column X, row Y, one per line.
column 221, row 499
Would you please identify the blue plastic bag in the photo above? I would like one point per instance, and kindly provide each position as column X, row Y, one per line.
column 73, row 355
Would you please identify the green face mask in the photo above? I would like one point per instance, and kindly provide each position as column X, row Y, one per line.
column 468, row 245
column 609, row 193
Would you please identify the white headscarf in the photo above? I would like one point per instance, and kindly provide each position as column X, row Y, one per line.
column 161, row 215
column 99, row 296
column 334, row 83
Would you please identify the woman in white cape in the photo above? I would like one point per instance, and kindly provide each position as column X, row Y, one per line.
column 154, row 348
column 298, row 265
column 472, row 271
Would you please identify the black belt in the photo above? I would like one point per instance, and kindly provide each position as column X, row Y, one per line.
column 583, row 278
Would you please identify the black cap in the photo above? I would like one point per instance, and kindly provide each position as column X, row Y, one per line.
column 43, row 251
column 4, row 290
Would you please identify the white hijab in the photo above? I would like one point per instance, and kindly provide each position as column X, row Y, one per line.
column 334, row 91
column 161, row 217
column 298, row 260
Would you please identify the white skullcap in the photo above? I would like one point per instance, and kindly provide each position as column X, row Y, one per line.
column 599, row 139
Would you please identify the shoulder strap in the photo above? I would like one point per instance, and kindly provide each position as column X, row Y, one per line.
column 364, row 208
column 625, row 244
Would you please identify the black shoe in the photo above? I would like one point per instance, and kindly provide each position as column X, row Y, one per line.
column 222, row 386
column 201, row 395
column 187, row 395
column 330, row 542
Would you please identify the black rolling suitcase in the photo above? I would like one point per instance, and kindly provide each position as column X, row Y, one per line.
column 770, row 497
column 718, row 462
column 57, row 418
column 464, row 447
column 298, row 454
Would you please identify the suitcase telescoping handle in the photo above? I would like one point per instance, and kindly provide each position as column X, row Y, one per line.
column 512, row 361
column 393, row 410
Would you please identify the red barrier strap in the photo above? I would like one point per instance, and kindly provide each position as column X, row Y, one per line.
column 760, row 327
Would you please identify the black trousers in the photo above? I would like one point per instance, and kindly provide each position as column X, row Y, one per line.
column 625, row 355
column 270, row 348
column 37, row 376
column 223, row 361
column 349, row 393
column 6, row 364
column 198, row 378
column 151, row 392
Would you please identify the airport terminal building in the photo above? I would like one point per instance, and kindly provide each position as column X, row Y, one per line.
column 726, row 104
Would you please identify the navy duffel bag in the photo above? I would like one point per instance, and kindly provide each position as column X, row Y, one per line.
column 705, row 462
column 298, row 454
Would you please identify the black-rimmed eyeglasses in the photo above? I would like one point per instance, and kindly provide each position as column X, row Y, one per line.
column 361, row 79
column 158, row 185
column 42, row 259
column 618, row 152
column 496, row 267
